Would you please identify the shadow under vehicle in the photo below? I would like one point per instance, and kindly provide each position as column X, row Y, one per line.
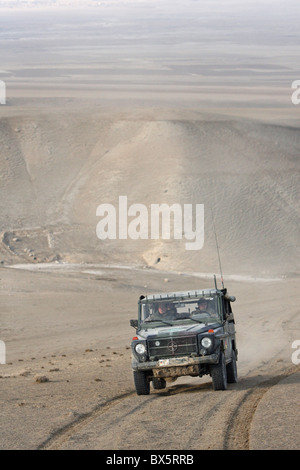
column 184, row 333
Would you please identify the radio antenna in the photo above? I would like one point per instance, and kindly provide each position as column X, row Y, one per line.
column 215, row 232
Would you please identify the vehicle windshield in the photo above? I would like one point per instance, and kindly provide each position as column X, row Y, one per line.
column 202, row 309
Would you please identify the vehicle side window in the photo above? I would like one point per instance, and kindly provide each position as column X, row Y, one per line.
column 226, row 307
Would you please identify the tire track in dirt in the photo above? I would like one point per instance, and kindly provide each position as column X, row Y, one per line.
column 237, row 435
column 60, row 436
column 222, row 420
column 118, row 415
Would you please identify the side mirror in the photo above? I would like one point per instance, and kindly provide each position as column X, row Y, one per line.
column 231, row 298
column 134, row 323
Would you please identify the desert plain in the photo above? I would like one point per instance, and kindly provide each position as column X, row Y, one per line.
column 182, row 103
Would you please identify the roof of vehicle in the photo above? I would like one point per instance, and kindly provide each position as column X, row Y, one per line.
column 192, row 294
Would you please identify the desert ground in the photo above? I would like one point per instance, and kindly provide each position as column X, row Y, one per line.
column 189, row 105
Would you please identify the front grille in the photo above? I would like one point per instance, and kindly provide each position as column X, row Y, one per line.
column 168, row 347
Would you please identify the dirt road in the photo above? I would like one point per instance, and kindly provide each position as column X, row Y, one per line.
column 88, row 401
column 185, row 417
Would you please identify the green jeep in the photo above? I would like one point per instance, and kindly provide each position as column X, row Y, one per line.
column 184, row 333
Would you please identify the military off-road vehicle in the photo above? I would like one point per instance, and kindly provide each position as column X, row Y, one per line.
column 184, row 333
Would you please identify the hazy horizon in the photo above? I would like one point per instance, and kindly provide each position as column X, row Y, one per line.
column 144, row 43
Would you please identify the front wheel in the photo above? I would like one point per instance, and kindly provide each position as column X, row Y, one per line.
column 232, row 376
column 141, row 382
column 219, row 374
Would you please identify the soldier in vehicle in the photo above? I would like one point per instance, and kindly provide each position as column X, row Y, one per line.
column 203, row 306
column 165, row 311
column 162, row 309
column 171, row 309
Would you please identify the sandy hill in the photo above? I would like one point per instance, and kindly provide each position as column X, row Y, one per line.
column 57, row 167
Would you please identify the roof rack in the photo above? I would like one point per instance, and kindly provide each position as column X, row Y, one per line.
column 178, row 295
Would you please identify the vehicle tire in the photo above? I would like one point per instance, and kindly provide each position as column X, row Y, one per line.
column 141, row 382
column 158, row 383
column 219, row 374
column 232, row 376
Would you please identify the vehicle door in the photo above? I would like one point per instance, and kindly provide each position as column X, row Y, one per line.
column 228, row 329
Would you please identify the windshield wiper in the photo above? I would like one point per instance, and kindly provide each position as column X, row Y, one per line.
column 194, row 319
column 162, row 321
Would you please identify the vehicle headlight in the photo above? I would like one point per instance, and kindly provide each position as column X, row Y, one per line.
column 206, row 342
column 140, row 348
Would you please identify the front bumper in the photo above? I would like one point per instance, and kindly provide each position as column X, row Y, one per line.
column 175, row 366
